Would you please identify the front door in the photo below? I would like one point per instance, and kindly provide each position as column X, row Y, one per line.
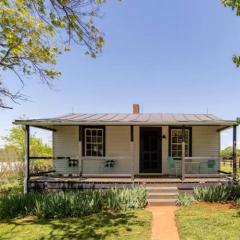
column 150, row 149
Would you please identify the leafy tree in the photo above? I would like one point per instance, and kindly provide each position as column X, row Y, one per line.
column 9, row 153
column 235, row 5
column 33, row 33
column 227, row 152
column 238, row 120
column 16, row 140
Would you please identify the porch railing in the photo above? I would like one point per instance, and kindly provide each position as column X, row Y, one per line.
column 200, row 166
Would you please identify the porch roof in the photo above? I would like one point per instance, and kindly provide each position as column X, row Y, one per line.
column 129, row 119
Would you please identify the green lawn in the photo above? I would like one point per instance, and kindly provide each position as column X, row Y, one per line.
column 208, row 223
column 228, row 168
column 129, row 225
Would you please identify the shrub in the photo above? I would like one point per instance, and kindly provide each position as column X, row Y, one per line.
column 11, row 177
column 16, row 204
column 71, row 204
column 217, row 193
column 10, row 183
column 184, row 199
column 41, row 165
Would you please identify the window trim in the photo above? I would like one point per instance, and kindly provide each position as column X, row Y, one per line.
column 84, row 140
column 170, row 138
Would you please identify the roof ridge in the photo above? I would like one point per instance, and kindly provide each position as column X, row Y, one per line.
column 127, row 113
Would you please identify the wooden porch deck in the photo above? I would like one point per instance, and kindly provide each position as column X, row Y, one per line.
column 53, row 183
column 138, row 180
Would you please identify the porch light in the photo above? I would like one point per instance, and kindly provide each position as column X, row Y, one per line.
column 163, row 136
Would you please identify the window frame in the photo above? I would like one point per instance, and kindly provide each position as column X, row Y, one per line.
column 84, row 139
column 170, row 139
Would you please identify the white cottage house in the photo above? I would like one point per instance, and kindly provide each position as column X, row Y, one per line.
column 133, row 144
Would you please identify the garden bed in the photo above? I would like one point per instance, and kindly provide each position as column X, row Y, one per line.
column 71, row 204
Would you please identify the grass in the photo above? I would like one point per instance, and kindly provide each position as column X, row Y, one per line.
column 130, row 225
column 208, row 222
column 228, row 168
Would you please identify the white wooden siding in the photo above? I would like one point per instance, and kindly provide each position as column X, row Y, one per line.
column 117, row 148
column 165, row 150
column 65, row 144
column 66, row 141
column 205, row 142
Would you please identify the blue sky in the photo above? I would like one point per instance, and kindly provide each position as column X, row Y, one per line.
column 168, row 56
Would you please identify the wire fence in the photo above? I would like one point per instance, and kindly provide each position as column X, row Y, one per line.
column 227, row 165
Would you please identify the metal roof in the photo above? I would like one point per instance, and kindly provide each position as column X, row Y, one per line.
column 132, row 119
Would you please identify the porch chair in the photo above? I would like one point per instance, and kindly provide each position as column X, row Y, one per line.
column 210, row 164
column 172, row 165
column 107, row 165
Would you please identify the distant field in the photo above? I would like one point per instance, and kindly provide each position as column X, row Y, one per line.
column 227, row 167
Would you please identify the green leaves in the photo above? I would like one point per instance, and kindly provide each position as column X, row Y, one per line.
column 16, row 139
column 238, row 120
column 33, row 33
column 72, row 204
column 236, row 60
column 185, row 199
column 24, row 40
column 235, row 6
column 217, row 193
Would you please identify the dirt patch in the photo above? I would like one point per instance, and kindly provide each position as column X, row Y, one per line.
column 163, row 223
column 27, row 218
column 218, row 205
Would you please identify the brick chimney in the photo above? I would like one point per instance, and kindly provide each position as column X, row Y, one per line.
column 136, row 108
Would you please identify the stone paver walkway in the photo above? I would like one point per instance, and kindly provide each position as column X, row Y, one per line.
column 163, row 223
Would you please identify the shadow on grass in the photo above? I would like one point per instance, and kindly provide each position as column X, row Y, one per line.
column 97, row 226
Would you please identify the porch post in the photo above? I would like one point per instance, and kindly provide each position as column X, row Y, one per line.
column 132, row 148
column 183, row 152
column 80, row 151
column 26, row 163
column 234, row 156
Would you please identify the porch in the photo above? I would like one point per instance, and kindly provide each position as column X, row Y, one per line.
column 52, row 182
column 99, row 149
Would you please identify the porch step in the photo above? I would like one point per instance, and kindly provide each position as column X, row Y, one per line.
column 159, row 195
column 160, row 189
column 161, row 202
column 170, row 195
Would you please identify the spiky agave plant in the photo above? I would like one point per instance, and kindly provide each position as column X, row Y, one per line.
column 72, row 204
column 217, row 193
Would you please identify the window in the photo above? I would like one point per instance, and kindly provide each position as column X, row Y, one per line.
column 176, row 142
column 94, row 142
